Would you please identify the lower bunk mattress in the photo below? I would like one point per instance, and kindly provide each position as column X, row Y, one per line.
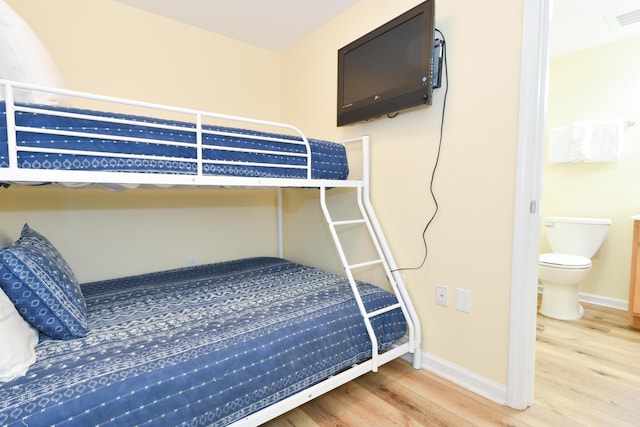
column 63, row 138
column 203, row 345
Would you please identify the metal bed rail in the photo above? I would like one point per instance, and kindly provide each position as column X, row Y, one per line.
column 194, row 123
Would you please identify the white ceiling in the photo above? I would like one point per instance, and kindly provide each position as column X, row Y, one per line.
column 270, row 24
column 277, row 24
column 580, row 24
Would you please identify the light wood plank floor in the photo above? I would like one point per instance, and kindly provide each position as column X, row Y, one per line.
column 587, row 374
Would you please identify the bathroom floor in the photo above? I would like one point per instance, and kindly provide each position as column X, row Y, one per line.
column 587, row 369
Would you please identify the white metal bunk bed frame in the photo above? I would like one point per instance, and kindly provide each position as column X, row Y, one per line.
column 368, row 219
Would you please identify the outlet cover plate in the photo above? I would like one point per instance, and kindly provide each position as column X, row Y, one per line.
column 442, row 295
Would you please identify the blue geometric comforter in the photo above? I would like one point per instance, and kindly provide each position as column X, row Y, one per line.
column 204, row 345
column 273, row 155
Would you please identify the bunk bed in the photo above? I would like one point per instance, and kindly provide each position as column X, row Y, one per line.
column 236, row 342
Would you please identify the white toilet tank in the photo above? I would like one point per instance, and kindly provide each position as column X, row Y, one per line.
column 576, row 236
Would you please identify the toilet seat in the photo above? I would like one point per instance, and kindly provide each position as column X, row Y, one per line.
column 566, row 261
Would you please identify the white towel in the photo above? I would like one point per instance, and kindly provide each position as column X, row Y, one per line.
column 607, row 141
column 580, row 142
column 586, row 142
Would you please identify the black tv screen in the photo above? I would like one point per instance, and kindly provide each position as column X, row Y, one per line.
column 388, row 69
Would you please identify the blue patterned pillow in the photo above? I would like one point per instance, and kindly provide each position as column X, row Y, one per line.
column 42, row 286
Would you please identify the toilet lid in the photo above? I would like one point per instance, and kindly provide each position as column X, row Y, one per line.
column 564, row 261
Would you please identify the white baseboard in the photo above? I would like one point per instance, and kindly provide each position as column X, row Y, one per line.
column 615, row 303
column 619, row 304
column 465, row 378
column 461, row 376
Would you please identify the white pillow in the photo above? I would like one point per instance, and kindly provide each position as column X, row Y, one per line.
column 18, row 341
column 24, row 58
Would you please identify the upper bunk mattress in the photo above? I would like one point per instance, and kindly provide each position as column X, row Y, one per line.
column 204, row 345
column 116, row 142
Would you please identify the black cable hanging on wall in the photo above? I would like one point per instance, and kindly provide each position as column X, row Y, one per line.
column 437, row 161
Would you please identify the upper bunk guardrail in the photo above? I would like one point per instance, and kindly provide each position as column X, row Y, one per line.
column 197, row 125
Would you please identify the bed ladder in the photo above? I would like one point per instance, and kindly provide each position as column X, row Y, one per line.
column 368, row 219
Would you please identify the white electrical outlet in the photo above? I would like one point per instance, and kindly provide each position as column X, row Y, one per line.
column 463, row 300
column 192, row 260
column 442, row 295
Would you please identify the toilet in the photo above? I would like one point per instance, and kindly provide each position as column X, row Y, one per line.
column 573, row 241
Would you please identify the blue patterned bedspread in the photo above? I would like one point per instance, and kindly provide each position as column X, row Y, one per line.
column 328, row 159
column 204, row 345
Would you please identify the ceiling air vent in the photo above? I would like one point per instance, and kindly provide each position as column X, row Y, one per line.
column 624, row 19
column 629, row 18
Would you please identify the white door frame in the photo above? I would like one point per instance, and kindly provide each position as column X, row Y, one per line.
column 526, row 228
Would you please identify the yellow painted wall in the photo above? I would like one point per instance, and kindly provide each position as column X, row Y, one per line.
column 600, row 83
column 105, row 47
column 470, row 239
column 109, row 48
column 105, row 234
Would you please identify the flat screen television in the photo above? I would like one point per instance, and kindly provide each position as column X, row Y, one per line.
column 389, row 69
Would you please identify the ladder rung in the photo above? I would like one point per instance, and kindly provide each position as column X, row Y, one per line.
column 365, row 264
column 349, row 222
column 383, row 310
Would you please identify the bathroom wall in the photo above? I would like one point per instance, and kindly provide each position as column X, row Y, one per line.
column 598, row 84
